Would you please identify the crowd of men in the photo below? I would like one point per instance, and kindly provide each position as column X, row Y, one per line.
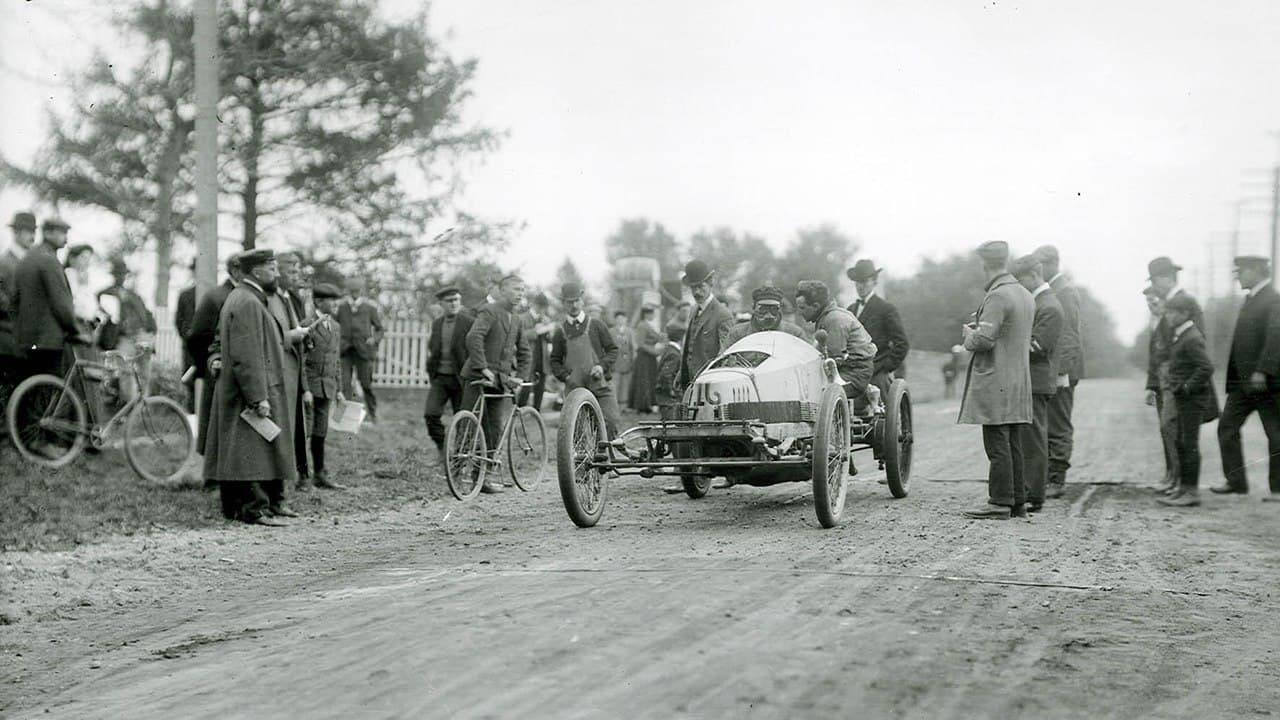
column 276, row 351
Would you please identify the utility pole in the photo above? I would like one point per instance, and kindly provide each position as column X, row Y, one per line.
column 1275, row 219
column 207, row 57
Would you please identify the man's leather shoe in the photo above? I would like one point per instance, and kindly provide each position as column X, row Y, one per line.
column 1186, row 498
column 1034, row 507
column 1018, row 511
column 1228, row 490
column 1273, row 497
column 990, row 512
column 283, row 511
column 268, row 521
column 304, row 483
column 493, row 488
column 323, row 481
column 1055, row 490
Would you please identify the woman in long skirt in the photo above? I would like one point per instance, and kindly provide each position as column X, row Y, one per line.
column 644, row 375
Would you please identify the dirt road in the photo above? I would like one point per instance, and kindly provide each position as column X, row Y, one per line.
column 737, row 605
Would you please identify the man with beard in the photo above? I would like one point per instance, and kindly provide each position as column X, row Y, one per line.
column 285, row 306
column 766, row 314
column 252, row 471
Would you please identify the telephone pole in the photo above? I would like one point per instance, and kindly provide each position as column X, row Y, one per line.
column 206, row 69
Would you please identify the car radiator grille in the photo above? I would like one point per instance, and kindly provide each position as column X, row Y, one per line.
column 776, row 411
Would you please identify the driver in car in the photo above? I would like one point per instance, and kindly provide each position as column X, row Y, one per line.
column 848, row 343
column 766, row 314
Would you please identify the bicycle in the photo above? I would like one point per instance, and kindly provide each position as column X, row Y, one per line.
column 50, row 423
column 467, row 459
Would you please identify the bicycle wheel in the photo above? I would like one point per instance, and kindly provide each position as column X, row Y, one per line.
column 158, row 440
column 527, row 449
column 47, row 421
column 464, row 446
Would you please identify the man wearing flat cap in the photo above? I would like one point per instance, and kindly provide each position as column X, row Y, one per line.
column 1070, row 368
column 709, row 323
column 323, row 365
column 997, row 390
column 1164, row 402
column 23, row 227
column 1046, row 329
column 882, row 321
column 583, row 354
column 1253, row 377
column 446, row 354
column 766, row 314
column 847, row 342
column 361, row 334
column 1163, row 276
column 252, row 472
column 201, row 340
column 43, row 309
column 497, row 353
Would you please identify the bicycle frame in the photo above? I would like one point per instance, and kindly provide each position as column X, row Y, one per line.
column 478, row 409
column 91, row 374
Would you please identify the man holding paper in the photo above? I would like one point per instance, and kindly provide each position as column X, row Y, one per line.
column 251, row 464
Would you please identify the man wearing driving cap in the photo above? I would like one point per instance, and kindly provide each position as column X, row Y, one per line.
column 882, row 321
column 583, row 354
column 997, row 390
column 23, row 227
column 1253, row 377
column 323, row 368
column 201, row 340
column 43, row 309
column 251, row 471
column 1070, row 368
column 709, row 323
column 446, row 353
column 766, row 314
column 1046, row 329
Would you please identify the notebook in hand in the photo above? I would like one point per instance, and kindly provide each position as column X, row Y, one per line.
column 263, row 426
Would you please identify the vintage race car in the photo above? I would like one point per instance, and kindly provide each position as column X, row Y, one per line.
column 769, row 409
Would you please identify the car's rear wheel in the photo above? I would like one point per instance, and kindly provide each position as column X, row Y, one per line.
column 899, row 437
column 831, row 457
column 582, row 485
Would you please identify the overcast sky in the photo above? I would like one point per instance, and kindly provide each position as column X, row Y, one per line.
column 1117, row 130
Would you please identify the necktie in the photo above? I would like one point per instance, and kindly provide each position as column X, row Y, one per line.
column 857, row 307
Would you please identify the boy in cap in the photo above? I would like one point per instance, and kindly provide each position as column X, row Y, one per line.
column 1253, row 377
column 1189, row 380
column 1046, row 328
column 997, row 390
column 446, row 354
column 666, row 392
column 323, row 364
column 766, row 314
column 583, row 353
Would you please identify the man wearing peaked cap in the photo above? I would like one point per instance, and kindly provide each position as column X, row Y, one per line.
column 583, row 353
column 446, row 354
column 766, row 314
column 1070, row 368
column 997, row 390
column 23, row 227
column 323, row 366
column 1163, row 275
column 882, row 321
column 42, row 305
column 1046, row 329
column 1190, row 382
column 1253, row 377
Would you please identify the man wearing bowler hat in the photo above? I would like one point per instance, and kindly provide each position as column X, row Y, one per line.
column 997, row 390
column 882, row 321
column 709, row 323
column 1253, row 377
column 1070, row 368
column 23, row 227
column 583, row 353
column 446, row 353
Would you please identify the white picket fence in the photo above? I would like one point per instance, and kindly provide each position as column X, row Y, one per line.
column 402, row 356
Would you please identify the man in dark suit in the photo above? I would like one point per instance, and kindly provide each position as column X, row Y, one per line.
column 446, row 354
column 11, row 358
column 709, row 324
column 538, row 320
column 322, row 367
column 882, row 321
column 1070, row 370
column 1155, row 305
column 498, row 354
column 199, row 343
column 1253, row 377
column 1163, row 276
column 183, row 315
column 1190, row 383
column 44, row 314
column 1046, row 328
column 361, row 333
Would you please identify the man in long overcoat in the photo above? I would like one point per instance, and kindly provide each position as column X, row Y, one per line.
column 1070, row 370
column 44, row 313
column 1046, row 329
column 497, row 353
column 250, row 470
column 200, row 341
column 1253, row 377
column 709, row 325
column 997, row 390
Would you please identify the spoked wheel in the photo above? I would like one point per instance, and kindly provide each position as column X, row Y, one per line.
column 158, row 440
column 581, row 430
column 464, row 448
column 898, row 438
column 527, row 449
column 831, row 457
column 47, row 421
